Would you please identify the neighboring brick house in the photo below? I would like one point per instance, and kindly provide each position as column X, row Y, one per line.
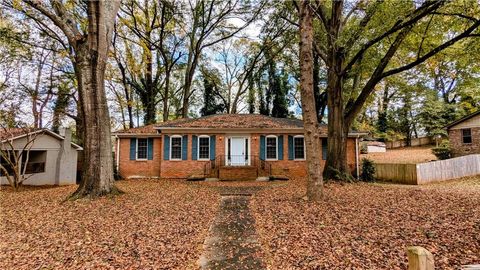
column 464, row 135
column 225, row 146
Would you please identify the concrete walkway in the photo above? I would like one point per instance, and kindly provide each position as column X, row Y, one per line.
column 232, row 241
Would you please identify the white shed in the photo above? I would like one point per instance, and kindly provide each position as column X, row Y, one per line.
column 52, row 157
column 376, row 147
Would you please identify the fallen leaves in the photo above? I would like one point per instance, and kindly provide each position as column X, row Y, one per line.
column 159, row 224
column 408, row 155
column 368, row 226
column 155, row 225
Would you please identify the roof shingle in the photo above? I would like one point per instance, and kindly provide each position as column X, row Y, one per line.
column 234, row 121
column 148, row 129
column 223, row 121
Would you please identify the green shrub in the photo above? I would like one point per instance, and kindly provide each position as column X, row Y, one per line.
column 442, row 151
column 364, row 148
column 368, row 170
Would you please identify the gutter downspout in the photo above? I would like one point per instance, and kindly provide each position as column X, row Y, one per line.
column 356, row 158
column 117, row 155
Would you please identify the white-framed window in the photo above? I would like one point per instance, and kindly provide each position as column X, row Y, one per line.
column 176, row 147
column 299, row 147
column 204, row 147
column 271, row 149
column 142, row 148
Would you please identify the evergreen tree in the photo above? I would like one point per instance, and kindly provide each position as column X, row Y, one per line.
column 251, row 94
column 210, row 105
column 263, row 107
column 280, row 90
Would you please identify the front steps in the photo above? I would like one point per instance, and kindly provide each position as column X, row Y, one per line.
column 240, row 173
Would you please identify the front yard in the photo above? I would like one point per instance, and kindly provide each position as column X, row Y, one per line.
column 369, row 226
column 162, row 225
column 155, row 225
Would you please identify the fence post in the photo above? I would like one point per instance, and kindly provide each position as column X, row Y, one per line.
column 419, row 259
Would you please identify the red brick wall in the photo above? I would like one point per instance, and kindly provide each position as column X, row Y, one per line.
column 238, row 173
column 139, row 168
column 185, row 168
column 297, row 168
column 461, row 149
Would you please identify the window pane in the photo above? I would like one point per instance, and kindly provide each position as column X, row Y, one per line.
column 271, row 147
column 204, row 148
column 299, row 148
column 176, row 148
column 142, row 146
column 467, row 135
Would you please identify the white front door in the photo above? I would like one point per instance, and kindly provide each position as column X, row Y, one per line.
column 237, row 151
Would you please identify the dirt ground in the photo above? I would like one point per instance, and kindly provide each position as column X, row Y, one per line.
column 409, row 155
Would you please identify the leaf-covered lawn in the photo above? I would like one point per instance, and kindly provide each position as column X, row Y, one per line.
column 409, row 155
column 162, row 225
column 155, row 225
column 369, row 226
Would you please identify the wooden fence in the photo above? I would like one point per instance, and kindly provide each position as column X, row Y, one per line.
column 423, row 173
column 414, row 142
column 397, row 173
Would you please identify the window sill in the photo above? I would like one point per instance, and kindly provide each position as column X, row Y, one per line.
column 203, row 159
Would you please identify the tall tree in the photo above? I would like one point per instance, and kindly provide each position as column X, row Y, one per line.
column 61, row 103
column 310, row 121
column 89, row 50
column 251, row 94
column 350, row 32
column 142, row 21
column 280, row 102
column 210, row 24
column 211, row 93
column 39, row 91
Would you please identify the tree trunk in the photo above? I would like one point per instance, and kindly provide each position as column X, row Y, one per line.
column 128, row 96
column 150, row 93
column 336, row 165
column 90, row 64
column 190, row 71
column 312, row 139
column 36, row 92
column 166, row 96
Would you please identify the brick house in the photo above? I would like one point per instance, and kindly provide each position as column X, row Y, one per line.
column 225, row 146
column 464, row 135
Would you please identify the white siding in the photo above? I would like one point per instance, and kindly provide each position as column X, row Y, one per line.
column 66, row 172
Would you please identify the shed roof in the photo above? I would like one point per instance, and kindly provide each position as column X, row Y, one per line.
column 17, row 133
